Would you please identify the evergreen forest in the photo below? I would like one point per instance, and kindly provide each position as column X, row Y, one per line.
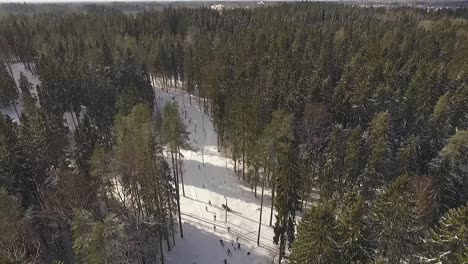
column 354, row 118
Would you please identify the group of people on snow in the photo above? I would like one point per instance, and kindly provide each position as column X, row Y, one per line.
column 236, row 247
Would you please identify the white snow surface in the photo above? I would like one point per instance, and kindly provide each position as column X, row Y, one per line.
column 213, row 181
column 17, row 68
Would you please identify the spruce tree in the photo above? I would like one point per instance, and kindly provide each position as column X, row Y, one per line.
column 449, row 240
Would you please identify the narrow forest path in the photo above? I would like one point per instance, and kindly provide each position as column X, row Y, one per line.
column 214, row 181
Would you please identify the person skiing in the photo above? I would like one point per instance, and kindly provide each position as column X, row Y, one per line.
column 229, row 229
column 206, row 208
column 214, row 217
column 209, row 202
column 214, row 227
column 228, row 252
column 238, row 245
column 225, row 261
column 237, row 240
column 248, row 253
column 221, row 242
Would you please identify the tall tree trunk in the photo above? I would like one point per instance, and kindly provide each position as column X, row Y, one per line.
column 171, row 218
column 272, row 194
column 281, row 249
column 161, row 245
column 199, row 100
column 181, row 172
column 261, row 212
column 204, row 105
column 157, row 193
column 16, row 110
column 235, row 164
column 73, row 118
column 256, row 181
column 203, row 156
column 217, row 140
column 174, row 164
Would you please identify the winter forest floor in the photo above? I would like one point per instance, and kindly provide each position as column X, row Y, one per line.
column 212, row 181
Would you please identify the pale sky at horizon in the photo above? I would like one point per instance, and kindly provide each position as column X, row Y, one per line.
column 94, row 1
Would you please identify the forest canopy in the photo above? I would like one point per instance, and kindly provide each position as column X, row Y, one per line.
column 356, row 118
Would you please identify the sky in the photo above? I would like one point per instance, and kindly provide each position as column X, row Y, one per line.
column 75, row 1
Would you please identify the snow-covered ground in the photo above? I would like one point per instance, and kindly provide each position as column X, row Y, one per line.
column 215, row 181
column 17, row 68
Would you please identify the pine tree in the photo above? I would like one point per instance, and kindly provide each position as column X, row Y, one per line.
column 175, row 136
column 355, row 232
column 398, row 231
column 449, row 174
column 318, row 237
column 287, row 198
column 378, row 167
column 24, row 85
column 440, row 127
column 17, row 244
column 86, row 139
column 8, row 91
column 449, row 240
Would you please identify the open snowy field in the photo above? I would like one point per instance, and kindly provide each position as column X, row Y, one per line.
column 215, row 181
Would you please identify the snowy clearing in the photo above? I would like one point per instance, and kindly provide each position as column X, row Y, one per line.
column 17, row 68
column 214, row 181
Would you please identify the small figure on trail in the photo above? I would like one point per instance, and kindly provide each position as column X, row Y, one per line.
column 173, row 97
column 214, row 227
column 203, row 184
column 199, row 166
column 235, row 249
column 225, row 261
column 228, row 252
column 214, row 217
column 209, row 202
column 221, row 242
column 232, row 243
column 238, row 245
column 229, row 229
column 248, row 253
column 206, row 208
column 237, row 240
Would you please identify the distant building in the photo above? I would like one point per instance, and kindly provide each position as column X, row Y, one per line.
column 218, row 7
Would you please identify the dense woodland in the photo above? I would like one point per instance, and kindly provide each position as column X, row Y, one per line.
column 355, row 117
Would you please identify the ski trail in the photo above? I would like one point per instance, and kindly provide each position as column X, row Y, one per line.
column 210, row 177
